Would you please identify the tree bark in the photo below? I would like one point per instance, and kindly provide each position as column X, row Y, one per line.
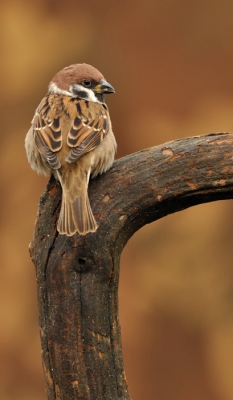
column 77, row 276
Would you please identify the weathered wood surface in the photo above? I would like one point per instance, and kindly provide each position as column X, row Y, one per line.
column 77, row 276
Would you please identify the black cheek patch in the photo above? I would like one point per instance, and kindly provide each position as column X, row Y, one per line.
column 80, row 93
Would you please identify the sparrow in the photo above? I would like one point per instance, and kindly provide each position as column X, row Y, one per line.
column 71, row 137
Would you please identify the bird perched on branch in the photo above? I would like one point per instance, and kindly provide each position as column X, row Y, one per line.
column 71, row 137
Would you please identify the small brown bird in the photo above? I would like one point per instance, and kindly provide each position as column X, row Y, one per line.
column 71, row 136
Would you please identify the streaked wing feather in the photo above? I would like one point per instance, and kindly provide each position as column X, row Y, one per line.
column 85, row 135
column 47, row 134
column 90, row 143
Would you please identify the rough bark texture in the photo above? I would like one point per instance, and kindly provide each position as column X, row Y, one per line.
column 77, row 277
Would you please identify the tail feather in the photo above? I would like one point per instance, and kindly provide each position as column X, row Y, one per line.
column 76, row 216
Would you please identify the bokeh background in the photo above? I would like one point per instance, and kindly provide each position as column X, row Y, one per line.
column 171, row 63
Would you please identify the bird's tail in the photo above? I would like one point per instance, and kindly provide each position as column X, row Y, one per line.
column 75, row 214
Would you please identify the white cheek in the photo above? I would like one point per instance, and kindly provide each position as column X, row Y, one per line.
column 53, row 88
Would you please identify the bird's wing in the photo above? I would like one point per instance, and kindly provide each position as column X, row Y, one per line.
column 88, row 129
column 47, row 134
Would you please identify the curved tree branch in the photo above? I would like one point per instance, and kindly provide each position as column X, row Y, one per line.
column 78, row 276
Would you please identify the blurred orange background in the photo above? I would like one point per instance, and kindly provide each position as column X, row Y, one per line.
column 171, row 64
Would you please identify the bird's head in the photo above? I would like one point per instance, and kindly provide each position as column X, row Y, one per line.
column 81, row 81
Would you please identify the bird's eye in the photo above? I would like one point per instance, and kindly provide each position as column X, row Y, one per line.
column 86, row 83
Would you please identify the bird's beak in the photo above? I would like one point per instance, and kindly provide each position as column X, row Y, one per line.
column 104, row 87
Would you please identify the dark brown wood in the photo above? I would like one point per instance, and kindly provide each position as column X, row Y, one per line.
column 77, row 276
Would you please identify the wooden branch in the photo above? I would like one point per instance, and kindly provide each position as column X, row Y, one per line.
column 77, row 276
